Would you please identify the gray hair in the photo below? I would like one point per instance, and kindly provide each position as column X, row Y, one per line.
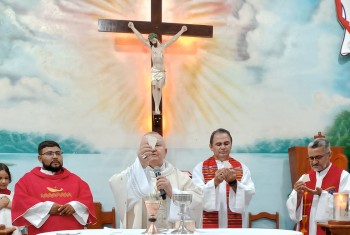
column 320, row 142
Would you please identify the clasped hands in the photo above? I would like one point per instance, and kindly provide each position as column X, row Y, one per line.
column 227, row 174
column 300, row 188
column 4, row 201
column 64, row 210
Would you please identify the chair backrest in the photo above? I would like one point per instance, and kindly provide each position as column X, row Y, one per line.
column 264, row 215
column 103, row 217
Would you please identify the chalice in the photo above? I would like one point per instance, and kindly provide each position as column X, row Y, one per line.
column 182, row 200
column 152, row 204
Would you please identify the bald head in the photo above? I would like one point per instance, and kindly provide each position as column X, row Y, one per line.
column 160, row 138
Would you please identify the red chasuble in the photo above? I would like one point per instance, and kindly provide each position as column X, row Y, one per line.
column 330, row 183
column 211, row 219
column 63, row 187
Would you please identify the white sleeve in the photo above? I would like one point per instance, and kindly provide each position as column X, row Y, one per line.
column 324, row 210
column 294, row 213
column 81, row 213
column 344, row 185
column 128, row 187
column 210, row 199
column 195, row 208
column 39, row 213
column 239, row 201
column 118, row 183
column 139, row 183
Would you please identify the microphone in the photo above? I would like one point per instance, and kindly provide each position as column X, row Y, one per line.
column 156, row 171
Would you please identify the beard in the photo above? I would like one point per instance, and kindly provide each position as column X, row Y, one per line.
column 52, row 168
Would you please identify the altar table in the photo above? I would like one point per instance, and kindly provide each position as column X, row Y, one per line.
column 333, row 229
column 234, row 231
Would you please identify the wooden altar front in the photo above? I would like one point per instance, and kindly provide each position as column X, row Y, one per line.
column 335, row 229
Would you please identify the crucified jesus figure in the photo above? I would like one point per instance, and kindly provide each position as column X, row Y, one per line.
column 157, row 61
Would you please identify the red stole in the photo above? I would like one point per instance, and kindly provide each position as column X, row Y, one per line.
column 330, row 183
column 5, row 191
column 211, row 219
column 35, row 187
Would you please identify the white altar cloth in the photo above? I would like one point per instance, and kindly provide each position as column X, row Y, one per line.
column 235, row 231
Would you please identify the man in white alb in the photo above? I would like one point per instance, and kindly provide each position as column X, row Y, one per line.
column 223, row 179
column 311, row 200
column 131, row 186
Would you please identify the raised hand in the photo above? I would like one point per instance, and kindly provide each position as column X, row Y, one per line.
column 145, row 155
column 299, row 187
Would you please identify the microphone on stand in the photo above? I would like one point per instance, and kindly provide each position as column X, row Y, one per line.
column 156, row 171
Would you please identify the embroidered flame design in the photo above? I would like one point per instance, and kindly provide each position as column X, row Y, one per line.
column 54, row 190
column 55, row 193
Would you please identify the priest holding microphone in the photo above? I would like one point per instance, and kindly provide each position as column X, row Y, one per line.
column 151, row 173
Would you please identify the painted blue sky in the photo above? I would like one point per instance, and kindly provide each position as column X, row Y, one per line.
column 272, row 70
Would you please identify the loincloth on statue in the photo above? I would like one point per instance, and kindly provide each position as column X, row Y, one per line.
column 158, row 78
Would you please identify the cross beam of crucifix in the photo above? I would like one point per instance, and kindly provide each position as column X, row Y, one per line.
column 160, row 28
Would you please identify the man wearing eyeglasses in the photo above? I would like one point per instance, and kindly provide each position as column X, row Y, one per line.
column 50, row 197
column 311, row 200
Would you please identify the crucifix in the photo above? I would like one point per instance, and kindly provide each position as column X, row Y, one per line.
column 159, row 28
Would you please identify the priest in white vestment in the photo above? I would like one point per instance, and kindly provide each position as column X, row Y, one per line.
column 311, row 200
column 223, row 179
column 131, row 186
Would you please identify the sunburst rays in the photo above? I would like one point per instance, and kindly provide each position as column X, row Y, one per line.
column 196, row 81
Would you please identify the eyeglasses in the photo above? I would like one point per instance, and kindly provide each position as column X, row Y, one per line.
column 317, row 158
column 51, row 153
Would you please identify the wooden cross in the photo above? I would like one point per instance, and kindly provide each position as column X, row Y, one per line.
column 160, row 28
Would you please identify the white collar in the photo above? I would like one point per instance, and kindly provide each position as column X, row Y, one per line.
column 324, row 172
column 47, row 172
column 162, row 168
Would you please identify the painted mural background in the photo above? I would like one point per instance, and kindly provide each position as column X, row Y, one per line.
column 272, row 75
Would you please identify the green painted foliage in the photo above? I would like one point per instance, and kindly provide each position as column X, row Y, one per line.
column 339, row 133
